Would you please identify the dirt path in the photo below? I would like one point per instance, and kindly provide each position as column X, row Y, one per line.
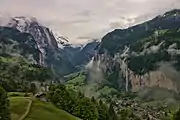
column 27, row 110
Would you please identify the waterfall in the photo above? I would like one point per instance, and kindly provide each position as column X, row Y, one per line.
column 125, row 72
column 41, row 56
column 124, row 66
column 90, row 64
column 48, row 36
column 98, row 64
column 40, row 59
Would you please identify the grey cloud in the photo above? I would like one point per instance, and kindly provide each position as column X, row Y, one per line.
column 122, row 22
column 168, row 69
column 80, row 21
column 84, row 37
column 88, row 18
column 85, row 13
column 115, row 25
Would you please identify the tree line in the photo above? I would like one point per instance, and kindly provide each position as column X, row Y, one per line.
column 79, row 105
column 16, row 74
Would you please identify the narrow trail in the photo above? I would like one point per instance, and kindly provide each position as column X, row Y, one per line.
column 27, row 110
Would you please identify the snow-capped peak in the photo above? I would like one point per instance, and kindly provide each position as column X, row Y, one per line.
column 61, row 40
column 22, row 22
column 31, row 25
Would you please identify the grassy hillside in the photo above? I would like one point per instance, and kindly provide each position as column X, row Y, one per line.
column 76, row 81
column 16, row 74
column 38, row 110
column 18, row 107
column 46, row 111
column 79, row 82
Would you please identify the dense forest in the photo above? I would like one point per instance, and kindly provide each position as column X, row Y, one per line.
column 16, row 74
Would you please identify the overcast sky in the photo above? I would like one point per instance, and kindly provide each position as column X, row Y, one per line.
column 81, row 20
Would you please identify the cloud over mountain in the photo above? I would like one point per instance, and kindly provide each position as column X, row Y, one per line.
column 83, row 17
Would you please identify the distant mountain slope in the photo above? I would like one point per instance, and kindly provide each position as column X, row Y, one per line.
column 53, row 50
column 15, row 43
column 143, row 55
column 43, row 39
column 81, row 55
column 117, row 39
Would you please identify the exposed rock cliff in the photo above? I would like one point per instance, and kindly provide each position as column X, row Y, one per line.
column 43, row 37
column 49, row 53
column 144, row 55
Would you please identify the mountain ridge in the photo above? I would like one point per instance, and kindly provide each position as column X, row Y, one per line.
column 159, row 34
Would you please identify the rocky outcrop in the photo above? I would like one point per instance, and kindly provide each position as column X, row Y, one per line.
column 81, row 55
column 136, row 53
column 153, row 79
column 42, row 35
column 54, row 51
column 15, row 43
column 160, row 77
column 50, row 55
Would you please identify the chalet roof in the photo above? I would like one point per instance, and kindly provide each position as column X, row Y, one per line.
column 39, row 94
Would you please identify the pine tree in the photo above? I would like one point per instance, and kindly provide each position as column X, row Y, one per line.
column 33, row 88
column 112, row 113
column 4, row 105
column 103, row 111
column 176, row 116
column 93, row 100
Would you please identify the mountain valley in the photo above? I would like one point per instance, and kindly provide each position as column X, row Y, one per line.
column 130, row 74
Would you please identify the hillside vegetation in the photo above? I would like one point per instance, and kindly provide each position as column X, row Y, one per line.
column 18, row 107
column 47, row 111
column 16, row 74
column 38, row 110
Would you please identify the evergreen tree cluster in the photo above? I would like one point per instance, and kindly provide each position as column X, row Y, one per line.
column 79, row 105
column 4, row 105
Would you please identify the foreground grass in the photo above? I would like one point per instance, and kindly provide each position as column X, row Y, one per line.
column 38, row 110
column 18, row 107
column 46, row 111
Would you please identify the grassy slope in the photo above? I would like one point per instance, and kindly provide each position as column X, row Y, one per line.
column 46, row 111
column 79, row 83
column 107, row 90
column 18, row 107
column 38, row 111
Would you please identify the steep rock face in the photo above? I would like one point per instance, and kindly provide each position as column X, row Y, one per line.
column 54, row 51
column 44, row 38
column 154, row 78
column 49, row 53
column 142, row 51
column 85, row 54
column 15, row 43
column 128, row 80
column 80, row 55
